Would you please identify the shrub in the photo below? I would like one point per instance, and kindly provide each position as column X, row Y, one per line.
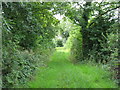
column 19, row 66
column 76, row 46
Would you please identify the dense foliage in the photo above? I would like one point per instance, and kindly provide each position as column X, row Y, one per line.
column 99, row 22
column 31, row 32
column 28, row 29
column 89, row 16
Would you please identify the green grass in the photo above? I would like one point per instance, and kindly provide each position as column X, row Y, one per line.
column 60, row 73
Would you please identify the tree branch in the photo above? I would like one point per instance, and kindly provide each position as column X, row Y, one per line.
column 97, row 17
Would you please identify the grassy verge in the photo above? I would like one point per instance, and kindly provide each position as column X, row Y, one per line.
column 60, row 73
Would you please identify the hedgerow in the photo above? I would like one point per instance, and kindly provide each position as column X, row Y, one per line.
column 28, row 30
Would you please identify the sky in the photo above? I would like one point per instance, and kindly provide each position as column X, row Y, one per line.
column 58, row 16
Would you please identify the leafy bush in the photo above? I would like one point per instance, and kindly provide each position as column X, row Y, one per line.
column 27, row 35
column 108, row 53
column 19, row 66
column 76, row 46
column 112, row 47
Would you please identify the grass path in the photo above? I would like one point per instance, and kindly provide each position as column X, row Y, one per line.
column 60, row 73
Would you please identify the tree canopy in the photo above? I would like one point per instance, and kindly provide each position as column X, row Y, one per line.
column 31, row 30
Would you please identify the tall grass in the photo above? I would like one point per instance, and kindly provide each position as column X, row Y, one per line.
column 60, row 73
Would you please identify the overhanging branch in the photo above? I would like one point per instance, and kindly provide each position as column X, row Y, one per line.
column 97, row 17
